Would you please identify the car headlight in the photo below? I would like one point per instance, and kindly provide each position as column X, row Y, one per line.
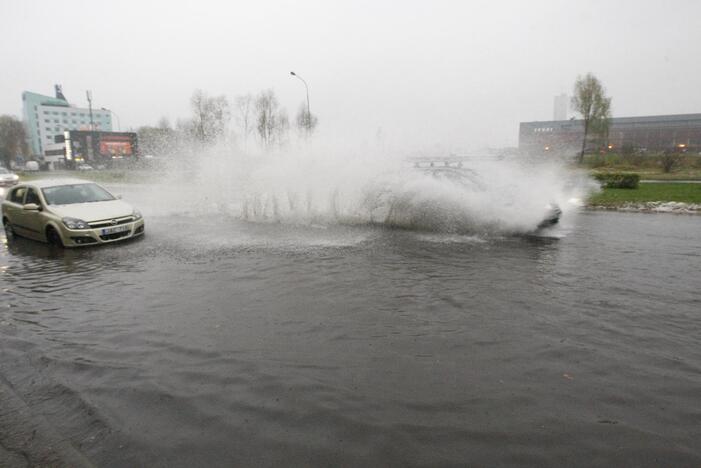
column 74, row 223
column 137, row 215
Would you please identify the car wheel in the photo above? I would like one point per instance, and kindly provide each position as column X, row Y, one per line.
column 53, row 238
column 9, row 232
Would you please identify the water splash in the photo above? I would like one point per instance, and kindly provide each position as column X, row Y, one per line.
column 472, row 197
column 328, row 186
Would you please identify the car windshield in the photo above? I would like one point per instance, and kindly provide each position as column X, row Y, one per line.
column 77, row 193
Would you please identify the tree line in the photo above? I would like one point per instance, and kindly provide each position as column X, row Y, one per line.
column 258, row 119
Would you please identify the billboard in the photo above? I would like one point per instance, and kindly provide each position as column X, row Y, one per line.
column 116, row 146
column 99, row 147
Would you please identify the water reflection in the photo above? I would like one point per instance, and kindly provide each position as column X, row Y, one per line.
column 21, row 247
column 31, row 253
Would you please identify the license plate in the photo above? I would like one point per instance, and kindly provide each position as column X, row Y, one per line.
column 113, row 230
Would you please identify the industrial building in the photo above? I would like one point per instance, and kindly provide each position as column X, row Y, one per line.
column 680, row 132
column 47, row 117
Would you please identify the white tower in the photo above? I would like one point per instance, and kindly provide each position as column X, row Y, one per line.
column 560, row 107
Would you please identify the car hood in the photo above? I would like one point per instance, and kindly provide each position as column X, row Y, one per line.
column 93, row 211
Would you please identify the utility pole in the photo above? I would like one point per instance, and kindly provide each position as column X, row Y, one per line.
column 91, row 139
column 89, row 95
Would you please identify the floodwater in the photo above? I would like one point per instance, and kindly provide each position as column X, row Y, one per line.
column 215, row 342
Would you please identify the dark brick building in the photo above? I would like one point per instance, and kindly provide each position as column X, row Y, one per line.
column 652, row 133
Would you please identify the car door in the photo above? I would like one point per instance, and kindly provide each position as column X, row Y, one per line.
column 33, row 220
column 12, row 208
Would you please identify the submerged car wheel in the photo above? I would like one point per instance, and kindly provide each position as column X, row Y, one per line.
column 53, row 237
column 9, row 232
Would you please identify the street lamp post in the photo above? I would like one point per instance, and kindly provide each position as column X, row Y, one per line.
column 309, row 112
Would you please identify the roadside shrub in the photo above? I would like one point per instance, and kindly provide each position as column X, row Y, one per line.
column 670, row 160
column 696, row 161
column 613, row 159
column 618, row 180
column 631, row 155
column 596, row 161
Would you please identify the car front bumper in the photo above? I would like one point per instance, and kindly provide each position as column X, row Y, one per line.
column 105, row 235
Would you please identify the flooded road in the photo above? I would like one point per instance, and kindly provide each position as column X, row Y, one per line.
column 223, row 343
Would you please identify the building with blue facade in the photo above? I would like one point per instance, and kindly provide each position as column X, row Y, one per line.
column 46, row 117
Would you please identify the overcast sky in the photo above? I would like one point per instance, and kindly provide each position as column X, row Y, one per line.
column 458, row 74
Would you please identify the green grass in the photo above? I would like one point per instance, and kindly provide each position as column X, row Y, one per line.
column 655, row 174
column 664, row 192
column 648, row 166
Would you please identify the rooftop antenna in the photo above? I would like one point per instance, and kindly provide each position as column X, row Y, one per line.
column 59, row 92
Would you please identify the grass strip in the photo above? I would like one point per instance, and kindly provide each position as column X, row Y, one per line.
column 653, row 192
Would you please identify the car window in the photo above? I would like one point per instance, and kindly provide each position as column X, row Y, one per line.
column 17, row 195
column 76, row 193
column 32, row 197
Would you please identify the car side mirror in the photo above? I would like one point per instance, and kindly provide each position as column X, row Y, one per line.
column 31, row 207
column 119, row 197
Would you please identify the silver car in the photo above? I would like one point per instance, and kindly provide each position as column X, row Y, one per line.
column 69, row 213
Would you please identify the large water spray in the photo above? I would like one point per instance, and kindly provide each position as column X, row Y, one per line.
column 453, row 195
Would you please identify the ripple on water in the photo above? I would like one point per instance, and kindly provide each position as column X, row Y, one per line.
column 263, row 344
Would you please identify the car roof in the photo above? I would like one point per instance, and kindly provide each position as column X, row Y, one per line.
column 43, row 183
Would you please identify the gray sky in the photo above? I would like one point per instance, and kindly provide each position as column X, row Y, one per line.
column 457, row 74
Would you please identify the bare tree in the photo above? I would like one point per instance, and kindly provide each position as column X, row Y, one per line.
column 164, row 123
column 244, row 116
column 306, row 121
column 283, row 127
column 670, row 159
column 266, row 106
column 272, row 122
column 185, row 128
column 589, row 99
column 211, row 116
column 160, row 140
column 13, row 139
